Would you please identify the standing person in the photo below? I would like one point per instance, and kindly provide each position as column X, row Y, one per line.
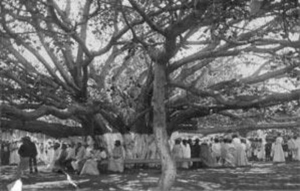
column 116, row 161
column 5, row 153
column 291, row 148
column 285, row 148
column 216, row 149
column 186, row 153
column 207, row 159
column 277, row 151
column 240, row 152
column 32, row 159
column 223, row 151
column 230, row 159
column 195, row 153
column 268, row 149
column 14, row 156
column 25, row 153
column 260, row 150
column 177, row 151
column 297, row 148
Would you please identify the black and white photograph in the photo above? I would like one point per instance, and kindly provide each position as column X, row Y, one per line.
column 149, row 95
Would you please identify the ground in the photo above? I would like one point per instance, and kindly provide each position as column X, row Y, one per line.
column 260, row 176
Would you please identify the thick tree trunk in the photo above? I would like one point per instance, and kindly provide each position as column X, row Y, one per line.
column 159, row 126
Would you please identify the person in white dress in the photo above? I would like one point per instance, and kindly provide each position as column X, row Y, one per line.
column 240, row 152
column 116, row 160
column 55, row 156
column 186, row 153
column 14, row 156
column 93, row 157
column 177, row 151
column 277, row 151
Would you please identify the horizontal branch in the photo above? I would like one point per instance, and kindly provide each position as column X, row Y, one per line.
column 56, row 130
column 42, row 111
column 252, row 127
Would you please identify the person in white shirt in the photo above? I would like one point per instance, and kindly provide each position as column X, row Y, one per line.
column 216, row 150
column 277, row 150
column 177, row 151
column 297, row 148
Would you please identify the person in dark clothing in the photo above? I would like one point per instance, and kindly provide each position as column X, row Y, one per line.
column 5, row 152
column 268, row 148
column 195, row 153
column 33, row 155
column 25, row 153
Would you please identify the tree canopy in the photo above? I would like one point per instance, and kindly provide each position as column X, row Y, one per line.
column 88, row 65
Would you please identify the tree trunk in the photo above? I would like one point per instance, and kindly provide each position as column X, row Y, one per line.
column 159, row 126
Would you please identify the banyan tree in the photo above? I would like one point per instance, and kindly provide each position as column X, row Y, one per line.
column 77, row 68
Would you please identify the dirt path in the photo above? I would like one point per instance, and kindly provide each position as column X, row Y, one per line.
column 261, row 176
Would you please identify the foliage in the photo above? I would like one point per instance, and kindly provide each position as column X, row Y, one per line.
column 91, row 61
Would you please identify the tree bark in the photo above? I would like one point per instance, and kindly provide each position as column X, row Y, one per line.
column 56, row 130
column 159, row 126
column 246, row 128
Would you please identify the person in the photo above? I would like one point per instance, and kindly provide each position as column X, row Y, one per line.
column 49, row 154
column 93, row 156
column 24, row 153
column 285, row 148
column 70, row 157
column 206, row 156
column 277, row 151
column 79, row 160
column 54, row 157
column 102, row 163
column 33, row 155
column 116, row 160
column 229, row 151
column 261, row 154
column 297, row 148
column 177, row 151
column 240, row 152
column 223, row 151
column 59, row 164
column 14, row 158
column 195, row 153
column 5, row 153
column 268, row 149
column 291, row 148
column 186, row 153
column 216, row 149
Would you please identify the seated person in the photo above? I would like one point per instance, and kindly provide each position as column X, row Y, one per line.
column 59, row 164
column 93, row 157
column 102, row 164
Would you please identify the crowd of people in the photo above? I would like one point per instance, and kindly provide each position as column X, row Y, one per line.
column 236, row 151
column 86, row 157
